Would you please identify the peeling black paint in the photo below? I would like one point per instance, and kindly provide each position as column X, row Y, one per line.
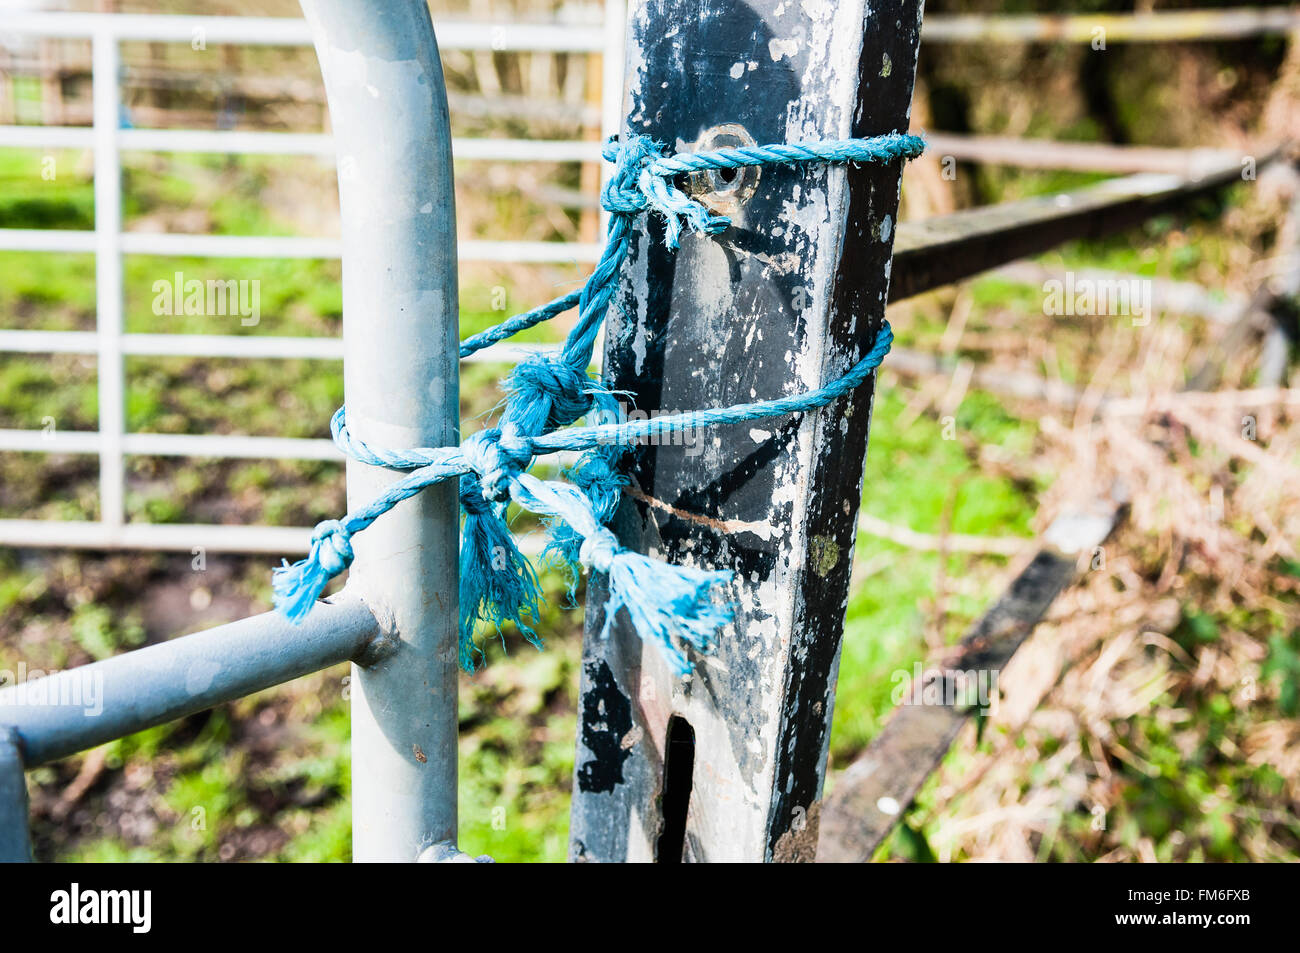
column 692, row 357
column 854, row 320
column 726, row 320
column 606, row 721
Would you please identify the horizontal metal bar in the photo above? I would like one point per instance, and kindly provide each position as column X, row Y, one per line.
column 174, row 245
column 262, row 31
column 939, row 251
column 47, row 239
column 228, row 246
column 169, row 537
column 291, row 31
column 239, row 142
column 221, row 141
column 224, row 446
column 47, row 137
column 230, row 345
column 527, row 150
column 50, row 441
column 228, row 447
column 80, row 708
column 1164, row 26
column 175, row 345
column 48, row 342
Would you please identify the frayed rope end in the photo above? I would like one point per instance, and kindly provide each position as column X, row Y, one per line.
column 497, row 583
column 597, row 477
column 667, row 604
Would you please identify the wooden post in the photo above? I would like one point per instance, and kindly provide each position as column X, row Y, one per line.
column 728, row 764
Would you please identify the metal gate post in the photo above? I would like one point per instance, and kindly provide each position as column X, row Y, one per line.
column 15, row 839
column 388, row 105
column 729, row 764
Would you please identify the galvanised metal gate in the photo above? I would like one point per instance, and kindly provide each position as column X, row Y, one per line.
column 111, row 443
column 397, row 618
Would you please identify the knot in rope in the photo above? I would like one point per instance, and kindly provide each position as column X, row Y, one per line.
column 332, row 545
column 641, row 182
column 498, row 456
column 565, row 387
column 622, row 193
column 598, row 550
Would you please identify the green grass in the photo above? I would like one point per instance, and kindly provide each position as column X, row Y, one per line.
column 911, row 475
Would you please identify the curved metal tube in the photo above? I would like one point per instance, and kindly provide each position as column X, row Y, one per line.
column 384, row 83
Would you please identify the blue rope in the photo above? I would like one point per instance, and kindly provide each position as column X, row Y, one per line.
column 674, row 607
column 520, row 322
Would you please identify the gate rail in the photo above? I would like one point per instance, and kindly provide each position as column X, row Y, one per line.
column 157, row 684
column 109, row 243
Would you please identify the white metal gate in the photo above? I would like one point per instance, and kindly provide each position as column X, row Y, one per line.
column 110, row 345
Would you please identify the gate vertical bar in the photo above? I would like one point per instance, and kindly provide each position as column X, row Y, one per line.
column 388, row 106
column 15, row 836
column 785, row 300
column 110, row 372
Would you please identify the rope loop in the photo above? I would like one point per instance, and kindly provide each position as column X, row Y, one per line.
column 639, row 183
column 623, row 192
column 672, row 606
column 566, row 388
column 363, row 452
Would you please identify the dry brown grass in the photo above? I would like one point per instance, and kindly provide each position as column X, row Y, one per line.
column 1119, row 706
